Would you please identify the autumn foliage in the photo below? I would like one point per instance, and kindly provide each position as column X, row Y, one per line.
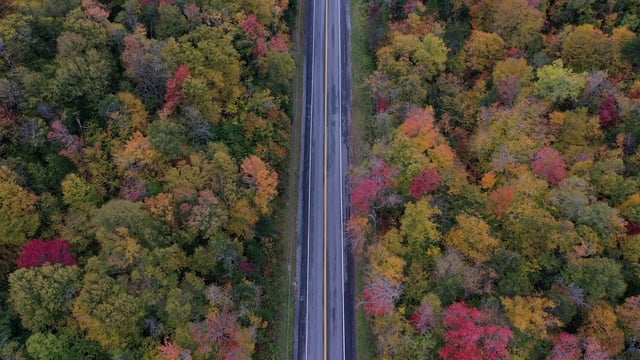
column 174, row 94
column 368, row 192
column 468, row 337
column 426, row 182
column 379, row 297
column 550, row 165
column 38, row 252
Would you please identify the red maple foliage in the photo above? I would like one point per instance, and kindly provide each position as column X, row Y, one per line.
column 608, row 113
column 426, row 182
column 379, row 296
column 593, row 350
column 500, row 200
column 278, row 43
column 253, row 28
column 367, row 191
column 632, row 227
column 38, row 252
column 173, row 351
column 550, row 164
column 174, row 94
column 423, row 318
column 567, row 347
column 468, row 338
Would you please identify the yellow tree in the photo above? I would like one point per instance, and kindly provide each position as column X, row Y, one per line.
column 601, row 324
column 531, row 314
column 18, row 216
column 471, row 237
column 482, row 50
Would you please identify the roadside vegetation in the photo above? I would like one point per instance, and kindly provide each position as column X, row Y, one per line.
column 496, row 205
column 142, row 144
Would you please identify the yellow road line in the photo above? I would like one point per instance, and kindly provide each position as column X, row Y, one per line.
column 326, row 83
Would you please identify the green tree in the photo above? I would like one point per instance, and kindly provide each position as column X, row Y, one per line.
column 559, row 84
column 43, row 296
column 585, row 48
column 601, row 278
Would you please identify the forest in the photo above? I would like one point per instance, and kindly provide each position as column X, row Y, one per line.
column 142, row 144
column 496, row 204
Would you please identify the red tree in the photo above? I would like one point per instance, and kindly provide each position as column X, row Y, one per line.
column 173, row 351
column 253, row 28
column 174, row 94
column 423, row 318
column 379, row 296
column 426, row 182
column 549, row 164
column 467, row 337
column 367, row 191
column 38, row 252
column 608, row 113
column 567, row 347
column 593, row 350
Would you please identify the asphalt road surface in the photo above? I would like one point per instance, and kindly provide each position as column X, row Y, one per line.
column 325, row 310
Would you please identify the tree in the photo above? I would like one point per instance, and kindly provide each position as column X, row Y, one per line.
column 516, row 21
column 500, row 200
column 482, row 50
column 37, row 253
column 43, row 296
column 472, row 238
column 559, row 84
column 262, row 179
column 425, row 318
column 468, row 338
column 174, row 94
column 142, row 58
column 72, row 145
column 108, row 314
column 418, row 126
column 531, row 314
column 585, row 48
column 601, row 325
column 629, row 316
column 567, row 347
column 379, row 296
column 601, row 278
column 406, row 66
column 172, row 351
column 18, row 216
column 77, row 193
column 608, row 113
column 427, row 181
column 550, row 165
column 369, row 191
column 63, row 345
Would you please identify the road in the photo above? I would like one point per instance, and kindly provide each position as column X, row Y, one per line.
column 325, row 326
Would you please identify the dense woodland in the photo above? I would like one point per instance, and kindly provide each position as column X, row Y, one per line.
column 497, row 211
column 140, row 146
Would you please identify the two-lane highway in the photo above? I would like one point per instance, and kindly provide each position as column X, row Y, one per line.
column 325, row 309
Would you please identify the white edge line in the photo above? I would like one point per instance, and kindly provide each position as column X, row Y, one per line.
column 341, row 175
column 306, row 300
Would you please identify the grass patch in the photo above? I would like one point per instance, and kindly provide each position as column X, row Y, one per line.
column 363, row 64
column 277, row 339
